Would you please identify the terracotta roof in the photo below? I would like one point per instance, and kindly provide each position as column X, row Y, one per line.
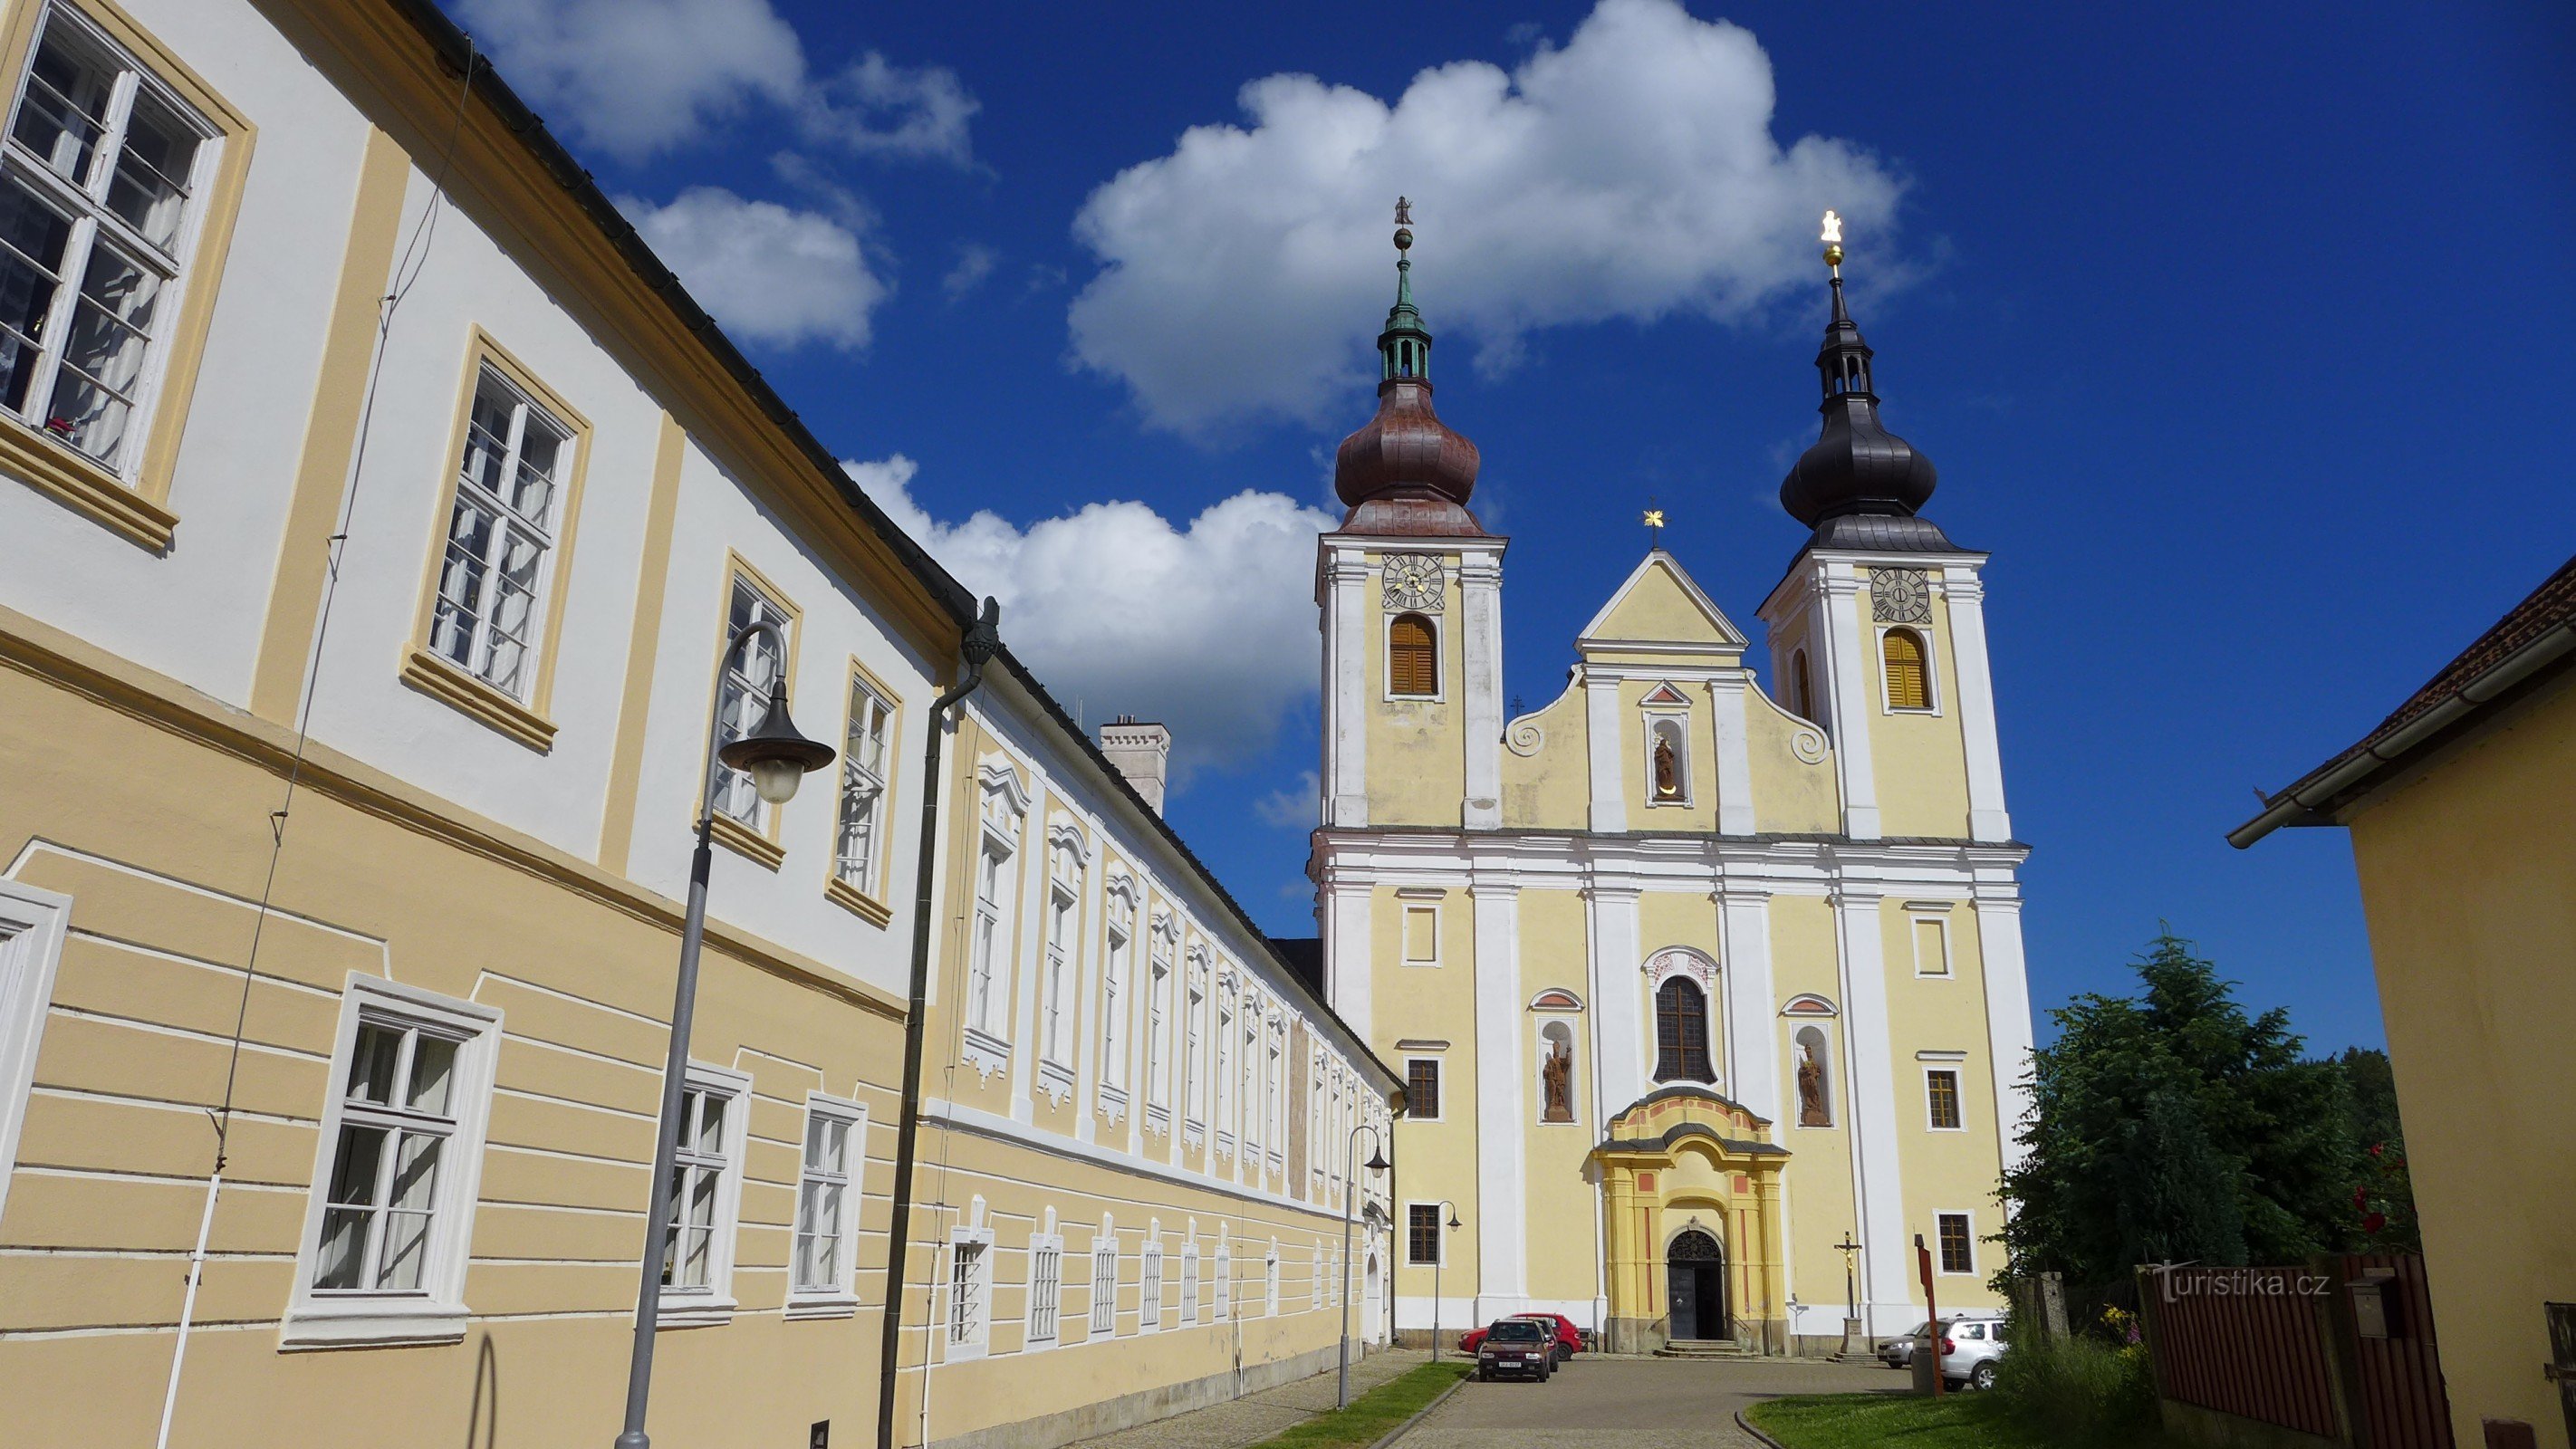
column 2533, row 643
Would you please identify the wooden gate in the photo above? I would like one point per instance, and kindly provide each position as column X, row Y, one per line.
column 2341, row 1348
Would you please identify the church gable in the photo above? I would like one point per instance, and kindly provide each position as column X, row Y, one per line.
column 1659, row 604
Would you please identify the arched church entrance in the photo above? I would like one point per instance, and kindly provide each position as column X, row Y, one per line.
column 1695, row 1268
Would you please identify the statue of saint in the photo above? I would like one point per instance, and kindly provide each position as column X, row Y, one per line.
column 1811, row 1089
column 1557, row 1072
column 1668, row 785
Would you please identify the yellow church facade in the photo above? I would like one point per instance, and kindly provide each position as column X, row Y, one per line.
column 1695, row 974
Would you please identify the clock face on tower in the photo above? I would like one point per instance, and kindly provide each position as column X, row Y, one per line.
column 1900, row 596
column 1413, row 582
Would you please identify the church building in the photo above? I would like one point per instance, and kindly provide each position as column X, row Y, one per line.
column 1707, row 986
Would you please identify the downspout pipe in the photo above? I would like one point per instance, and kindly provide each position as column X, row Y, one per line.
column 983, row 639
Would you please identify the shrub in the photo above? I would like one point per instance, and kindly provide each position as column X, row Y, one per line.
column 2080, row 1392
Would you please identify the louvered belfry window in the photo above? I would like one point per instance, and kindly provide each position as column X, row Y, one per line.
column 1681, row 1033
column 1908, row 687
column 1412, row 657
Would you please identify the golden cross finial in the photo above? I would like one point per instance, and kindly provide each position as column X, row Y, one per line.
column 1655, row 520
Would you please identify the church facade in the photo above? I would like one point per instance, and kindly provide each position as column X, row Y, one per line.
column 1706, row 981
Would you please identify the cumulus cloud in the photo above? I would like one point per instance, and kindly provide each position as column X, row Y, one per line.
column 636, row 77
column 975, row 263
column 767, row 273
column 1208, row 627
column 1630, row 173
column 1296, row 808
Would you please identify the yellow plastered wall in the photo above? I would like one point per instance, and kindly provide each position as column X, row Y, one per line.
column 1417, row 761
column 1944, row 1170
column 1550, row 786
column 1794, row 789
column 1561, row 1203
column 2468, row 879
column 1918, row 759
column 1432, row 1004
column 1678, row 918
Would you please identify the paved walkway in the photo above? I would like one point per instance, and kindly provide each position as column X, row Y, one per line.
column 1255, row 1417
column 1633, row 1403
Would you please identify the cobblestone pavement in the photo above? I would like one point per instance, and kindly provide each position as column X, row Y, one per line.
column 1633, row 1403
column 1255, row 1417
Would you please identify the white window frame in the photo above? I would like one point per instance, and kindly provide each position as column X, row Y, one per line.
column 1439, row 657
column 1149, row 1283
column 1055, row 1001
column 870, row 715
column 747, row 696
column 1223, row 1290
column 1940, row 1256
column 968, row 1305
column 1439, row 1089
column 1933, row 703
column 1317, row 1294
column 507, row 521
column 1404, row 940
column 714, row 1303
column 1189, row 1284
column 1118, row 948
column 1194, row 1072
column 1043, row 1316
column 1158, row 1030
column 85, row 207
column 1270, row 1282
column 1936, row 914
column 1955, row 1070
column 838, row 1299
column 436, row 1312
column 988, row 965
column 32, row 926
column 1104, row 1280
column 1439, row 1236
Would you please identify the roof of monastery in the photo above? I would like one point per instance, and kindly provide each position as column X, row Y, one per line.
column 2533, row 645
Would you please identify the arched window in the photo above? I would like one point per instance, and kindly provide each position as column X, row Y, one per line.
column 1909, row 686
column 1802, row 688
column 1681, row 1033
column 1815, row 1080
column 1412, row 657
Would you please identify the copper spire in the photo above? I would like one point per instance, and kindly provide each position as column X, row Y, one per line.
column 1406, row 471
column 1857, row 468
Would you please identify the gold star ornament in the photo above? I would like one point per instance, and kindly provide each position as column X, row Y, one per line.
column 1654, row 518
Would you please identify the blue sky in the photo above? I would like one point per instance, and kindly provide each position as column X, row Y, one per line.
column 2234, row 331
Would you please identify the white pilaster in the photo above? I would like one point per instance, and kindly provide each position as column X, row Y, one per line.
column 1502, row 1187
column 1842, row 639
column 1734, row 753
column 1349, row 982
column 1618, row 1068
column 1752, row 1024
column 1480, row 582
column 2008, row 1025
column 1346, row 714
column 1966, row 597
column 1601, row 721
column 1887, row 1249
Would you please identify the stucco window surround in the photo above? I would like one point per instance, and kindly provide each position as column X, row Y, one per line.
column 706, row 1209
column 1159, row 1022
column 32, row 926
column 97, row 397
column 871, row 744
column 1270, row 1281
column 1221, row 1290
column 1439, row 644
column 969, row 1317
column 1190, row 1280
column 1104, row 1278
column 1954, row 1244
column 1194, row 1046
column 1665, row 719
column 383, row 1254
column 489, row 622
column 1674, row 1060
column 739, row 700
column 1068, row 858
column 1945, row 1105
column 1922, row 633
column 985, row 1031
column 1045, row 1307
column 1224, row 1092
column 1117, row 975
column 1927, row 930
column 822, row 1260
column 1422, row 1089
column 1149, row 1280
column 1418, row 919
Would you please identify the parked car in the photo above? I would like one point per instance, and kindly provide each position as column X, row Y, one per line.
column 1970, row 1348
column 1522, row 1347
column 1569, row 1339
column 1898, row 1352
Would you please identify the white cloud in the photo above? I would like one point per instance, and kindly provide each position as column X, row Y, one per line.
column 1630, row 173
column 1293, row 809
column 975, row 263
column 768, row 274
column 635, row 77
column 1209, row 628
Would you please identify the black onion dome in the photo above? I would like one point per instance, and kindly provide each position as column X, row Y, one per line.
column 1857, row 467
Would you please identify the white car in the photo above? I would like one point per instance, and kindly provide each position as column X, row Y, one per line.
column 1970, row 1347
column 1897, row 1352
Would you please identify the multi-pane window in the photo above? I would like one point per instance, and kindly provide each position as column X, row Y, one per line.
column 1316, row 1289
column 992, row 887
column 1104, row 1283
column 500, row 536
column 1681, row 1033
column 1270, row 1284
column 1958, row 1248
column 1052, row 1032
column 966, row 1293
column 1113, row 1000
column 1155, row 1003
column 742, row 697
column 1224, row 1282
column 1196, row 1107
column 1046, row 1287
column 398, row 1114
column 691, row 1260
column 1941, row 1092
column 826, row 1199
column 1422, row 1087
column 1149, row 1298
column 1225, row 1063
column 1190, row 1283
column 863, row 787
column 100, row 166
column 1422, row 1233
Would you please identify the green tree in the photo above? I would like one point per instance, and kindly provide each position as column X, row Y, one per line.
column 2173, row 1126
column 2384, row 1201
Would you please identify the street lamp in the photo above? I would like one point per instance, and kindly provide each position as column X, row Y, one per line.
column 778, row 759
column 1439, row 1261
column 1350, row 1192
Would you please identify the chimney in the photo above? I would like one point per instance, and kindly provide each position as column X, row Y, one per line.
column 1141, row 749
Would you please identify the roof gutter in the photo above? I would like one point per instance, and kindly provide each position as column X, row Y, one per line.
column 2315, row 800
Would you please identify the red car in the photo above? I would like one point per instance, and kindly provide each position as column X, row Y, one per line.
column 1569, row 1339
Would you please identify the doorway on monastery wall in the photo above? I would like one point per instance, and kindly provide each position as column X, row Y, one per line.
column 1695, row 1269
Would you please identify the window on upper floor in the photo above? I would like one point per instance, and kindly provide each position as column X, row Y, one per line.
column 1422, row 1233
column 1422, row 1088
column 1412, row 657
column 866, row 744
column 1681, row 1033
column 742, row 695
column 1958, row 1243
column 1055, row 1006
column 1802, row 687
column 1941, row 1099
column 1931, row 945
column 103, row 168
column 986, row 993
column 1113, row 993
column 496, row 563
column 1909, row 682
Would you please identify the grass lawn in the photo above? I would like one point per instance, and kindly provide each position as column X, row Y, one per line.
column 1902, row 1421
column 1374, row 1413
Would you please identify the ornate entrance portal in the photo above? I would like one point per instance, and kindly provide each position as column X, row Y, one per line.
column 1696, row 1268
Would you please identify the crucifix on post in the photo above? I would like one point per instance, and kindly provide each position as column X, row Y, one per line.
column 1851, row 1293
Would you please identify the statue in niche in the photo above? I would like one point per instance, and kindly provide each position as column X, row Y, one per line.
column 1811, row 1088
column 1668, row 785
column 1557, row 1075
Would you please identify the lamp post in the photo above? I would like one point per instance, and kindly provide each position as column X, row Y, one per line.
column 1350, row 1193
column 1437, row 1263
column 777, row 758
